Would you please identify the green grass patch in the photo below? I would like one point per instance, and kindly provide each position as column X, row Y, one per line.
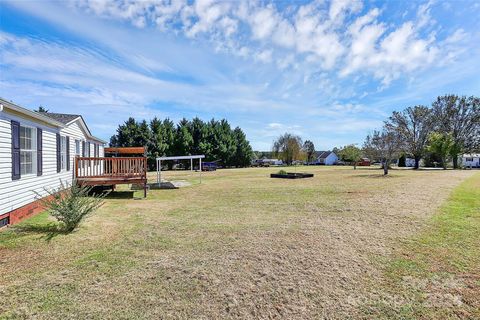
column 36, row 227
column 440, row 263
column 451, row 242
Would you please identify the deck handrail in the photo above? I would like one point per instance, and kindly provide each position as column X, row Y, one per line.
column 98, row 167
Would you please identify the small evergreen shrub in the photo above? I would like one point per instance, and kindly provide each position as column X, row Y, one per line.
column 69, row 205
column 282, row 172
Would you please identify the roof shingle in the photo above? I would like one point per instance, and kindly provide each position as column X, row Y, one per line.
column 61, row 117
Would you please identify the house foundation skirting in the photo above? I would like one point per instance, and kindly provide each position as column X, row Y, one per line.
column 24, row 212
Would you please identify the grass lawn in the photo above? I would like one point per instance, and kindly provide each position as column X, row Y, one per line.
column 344, row 244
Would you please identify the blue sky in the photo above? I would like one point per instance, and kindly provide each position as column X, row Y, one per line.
column 328, row 71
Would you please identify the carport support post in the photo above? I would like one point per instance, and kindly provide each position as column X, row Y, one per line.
column 191, row 164
column 159, row 172
column 200, row 167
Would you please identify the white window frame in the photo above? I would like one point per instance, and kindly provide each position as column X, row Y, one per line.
column 78, row 143
column 63, row 153
column 32, row 150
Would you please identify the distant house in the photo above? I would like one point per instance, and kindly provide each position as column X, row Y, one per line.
column 471, row 160
column 267, row 162
column 409, row 162
column 327, row 158
column 272, row 162
column 37, row 151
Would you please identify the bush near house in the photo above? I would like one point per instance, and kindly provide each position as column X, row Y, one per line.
column 69, row 205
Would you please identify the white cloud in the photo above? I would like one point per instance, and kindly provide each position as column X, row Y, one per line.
column 302, row 50
column 263, row 22
column 327, row 36
column 339, row 9
column 264, row 56
column 388, row 55
column 424, row 17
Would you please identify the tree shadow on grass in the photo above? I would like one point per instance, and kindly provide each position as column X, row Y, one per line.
column 375, row 176
column 47, row 231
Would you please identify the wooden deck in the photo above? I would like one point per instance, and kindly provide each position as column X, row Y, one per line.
column 106, row 171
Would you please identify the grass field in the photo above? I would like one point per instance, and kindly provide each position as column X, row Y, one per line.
column 344, row 244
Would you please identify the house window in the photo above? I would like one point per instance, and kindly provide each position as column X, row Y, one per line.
column 63, row 152
column 28, row 150
column 87, row 145
column 77, row 147
column 469, row 159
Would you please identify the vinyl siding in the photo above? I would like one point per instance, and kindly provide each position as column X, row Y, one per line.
column 331, row 159
column 17, row 193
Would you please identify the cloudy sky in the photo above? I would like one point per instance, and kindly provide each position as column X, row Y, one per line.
column 328, row 71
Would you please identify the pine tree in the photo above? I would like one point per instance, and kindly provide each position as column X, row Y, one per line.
column 215, row 139
column 244, row 154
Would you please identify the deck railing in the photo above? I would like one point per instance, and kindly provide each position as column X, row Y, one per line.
column 124, row 167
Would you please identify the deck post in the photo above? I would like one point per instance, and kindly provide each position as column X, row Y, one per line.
column 145, row 169
column 76, row 167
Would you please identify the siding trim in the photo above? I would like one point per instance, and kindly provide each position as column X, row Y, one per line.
column 39, row 152
column 68, row 153
column 15, row 125
column 59, row 160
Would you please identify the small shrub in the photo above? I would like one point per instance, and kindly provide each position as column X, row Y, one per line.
column 282, row 172
column 71, row 204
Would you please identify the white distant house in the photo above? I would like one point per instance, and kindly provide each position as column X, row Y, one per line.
column 471, row 160
column 37, row 151
column 267, row 162
column 273, row 162
column 328, row 158
column 410, row 162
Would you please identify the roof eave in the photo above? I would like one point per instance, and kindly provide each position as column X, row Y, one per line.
column 87, row 130
column 98, row 139
column 12, row 106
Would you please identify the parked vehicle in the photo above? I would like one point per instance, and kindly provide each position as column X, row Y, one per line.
column 209, row 166
column 365, row 162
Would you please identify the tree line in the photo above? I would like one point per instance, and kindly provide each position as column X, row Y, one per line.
column 437, row 133
column 215, row 139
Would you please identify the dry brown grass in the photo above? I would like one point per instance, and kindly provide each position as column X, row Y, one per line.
column 239, row 245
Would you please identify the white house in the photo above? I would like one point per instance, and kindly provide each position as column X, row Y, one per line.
column 410, row 162
column 471, row 160
column 328, row 158
column 37, row 151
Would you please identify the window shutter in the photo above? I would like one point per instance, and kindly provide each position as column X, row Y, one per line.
column 39, row 152
column 68, row 153
column 59, row 158
column 83, row 148
column 15, row 150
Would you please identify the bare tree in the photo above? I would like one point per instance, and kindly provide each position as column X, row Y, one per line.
column 288, row 147
column 413, row 126
column 384, row 145
column 459, row 117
